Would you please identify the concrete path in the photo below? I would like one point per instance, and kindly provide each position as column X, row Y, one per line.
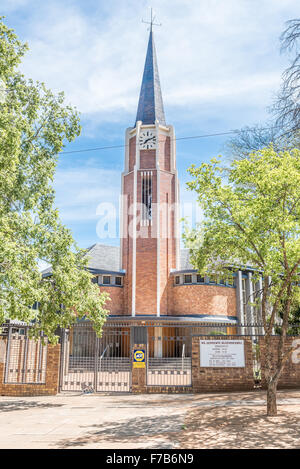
column 116, row 421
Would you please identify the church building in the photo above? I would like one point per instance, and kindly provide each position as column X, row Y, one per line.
column 157, row 297
column 149, row 276
column 169, row 329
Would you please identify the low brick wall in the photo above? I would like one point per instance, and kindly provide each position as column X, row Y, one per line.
column 211, row 379
column 49, row 388
column 290, row 377
column 169, row 389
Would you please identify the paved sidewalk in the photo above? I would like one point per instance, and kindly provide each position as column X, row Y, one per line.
column 148, row 421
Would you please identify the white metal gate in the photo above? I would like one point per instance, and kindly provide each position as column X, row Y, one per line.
column 93, row 364
column 169, row 356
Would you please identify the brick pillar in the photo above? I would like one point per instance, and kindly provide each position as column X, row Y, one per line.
column 139, row 378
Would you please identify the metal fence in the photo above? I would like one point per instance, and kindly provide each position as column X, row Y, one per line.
column 104, row 364
column 89, row 363
column 26, row 359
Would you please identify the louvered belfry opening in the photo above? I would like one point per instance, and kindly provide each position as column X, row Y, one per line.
column 146, row 218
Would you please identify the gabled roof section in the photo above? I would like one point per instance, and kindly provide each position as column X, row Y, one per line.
column 101, row 257
column 104, row 257
column 150, row 107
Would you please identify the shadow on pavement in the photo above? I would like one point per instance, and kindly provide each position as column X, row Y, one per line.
column 10, row 406
column 241, row 427
column 127, row 431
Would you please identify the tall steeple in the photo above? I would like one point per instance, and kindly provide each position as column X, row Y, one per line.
column 150, row 107
column 150, row 195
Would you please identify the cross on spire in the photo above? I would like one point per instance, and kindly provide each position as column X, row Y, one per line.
column 151, row 22
column 150, row 107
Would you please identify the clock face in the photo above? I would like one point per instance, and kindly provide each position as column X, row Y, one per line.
column 147, row 139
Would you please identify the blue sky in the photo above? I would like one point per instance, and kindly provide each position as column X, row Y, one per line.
column 219, row 66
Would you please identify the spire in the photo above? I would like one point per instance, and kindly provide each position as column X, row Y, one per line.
column 150, row 107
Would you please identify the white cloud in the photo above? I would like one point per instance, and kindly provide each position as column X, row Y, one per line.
column 207, row 51
column 219, row 64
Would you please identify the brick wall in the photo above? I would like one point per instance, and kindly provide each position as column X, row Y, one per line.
column 147, row 159
column 290, row 377
column 52, row 375
column 164, row 152
column 222, row 379
column 201, row 299
column 116, row 303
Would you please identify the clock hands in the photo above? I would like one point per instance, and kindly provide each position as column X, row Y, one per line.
column 151, row 138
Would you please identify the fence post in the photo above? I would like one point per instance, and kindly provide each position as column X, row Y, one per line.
column 139, row 374
column 25, row 356
column 7, row 358
column 96, row 355
column 62, row 359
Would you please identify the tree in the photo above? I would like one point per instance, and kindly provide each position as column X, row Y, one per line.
column 283, row 129
column 252, row 214
column 287, row 105
column 254, row 138
column 34, row 123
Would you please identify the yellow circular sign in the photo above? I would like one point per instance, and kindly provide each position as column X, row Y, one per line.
column 139, row 355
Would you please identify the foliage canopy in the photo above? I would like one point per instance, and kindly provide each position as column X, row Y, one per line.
column 34, row 123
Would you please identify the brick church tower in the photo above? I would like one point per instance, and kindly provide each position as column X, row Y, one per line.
column 150, row 195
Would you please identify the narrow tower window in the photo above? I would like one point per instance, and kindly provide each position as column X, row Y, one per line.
column 146, row 198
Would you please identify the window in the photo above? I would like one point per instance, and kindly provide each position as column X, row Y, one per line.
column 230, row 281
column 244, row 291
column 244, row 296
column 118, row 281
column 177, row 280
column 106, row 279
column 200, row 279
column 212, row 280
column 146, row 197
column 187, row 279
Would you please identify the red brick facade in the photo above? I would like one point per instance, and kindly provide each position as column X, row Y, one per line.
column 175, row 300
column 153, row 239
column 116, row 303
column 150, row 239
column 201, row 299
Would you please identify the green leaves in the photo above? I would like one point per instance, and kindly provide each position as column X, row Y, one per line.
column 252, row 217
column 34, row 124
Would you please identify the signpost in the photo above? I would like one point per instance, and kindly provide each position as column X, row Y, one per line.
column 139, row 358
column 222, row 353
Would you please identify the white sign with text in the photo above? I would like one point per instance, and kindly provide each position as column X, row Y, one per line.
column 222, row 353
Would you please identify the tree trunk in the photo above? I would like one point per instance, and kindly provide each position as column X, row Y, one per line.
column 271, row 398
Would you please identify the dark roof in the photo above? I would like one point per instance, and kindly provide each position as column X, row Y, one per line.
column 101, row 257
column 104, row 257
column 150, row 105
